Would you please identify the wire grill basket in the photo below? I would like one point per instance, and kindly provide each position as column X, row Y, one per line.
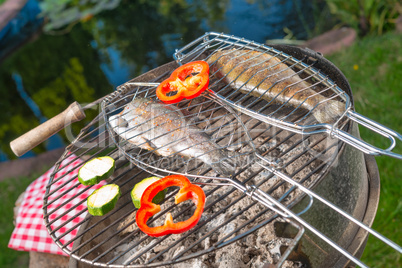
column 272, row 86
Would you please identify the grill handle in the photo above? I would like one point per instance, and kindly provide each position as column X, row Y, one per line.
column 373, row 126
column 34, row 137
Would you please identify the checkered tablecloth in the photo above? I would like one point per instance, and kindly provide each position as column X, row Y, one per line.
column 30, row 233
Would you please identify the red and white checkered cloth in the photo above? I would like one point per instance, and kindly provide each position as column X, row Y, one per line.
column 30, row 233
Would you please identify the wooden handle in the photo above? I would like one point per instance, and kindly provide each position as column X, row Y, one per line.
column 34, row 137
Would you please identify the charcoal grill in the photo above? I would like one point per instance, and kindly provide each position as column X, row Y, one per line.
column 114, row 240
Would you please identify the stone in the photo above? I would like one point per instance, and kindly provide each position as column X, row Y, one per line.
column 332, row 41
column 46, row 260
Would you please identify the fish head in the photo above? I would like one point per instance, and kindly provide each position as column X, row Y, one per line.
column 126, row 126
column 128, row 112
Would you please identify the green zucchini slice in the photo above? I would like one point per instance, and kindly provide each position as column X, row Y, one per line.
column 95, row 170
column 139, row 189
column 103, row 200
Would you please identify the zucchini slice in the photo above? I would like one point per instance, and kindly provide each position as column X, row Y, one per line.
column 95, row 170
column 139, row 189
column 103, row 200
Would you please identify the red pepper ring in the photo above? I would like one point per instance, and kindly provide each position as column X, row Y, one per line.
column 188, row 81
column 148, row 209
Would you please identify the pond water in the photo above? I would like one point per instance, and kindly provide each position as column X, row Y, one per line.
column 83, row 52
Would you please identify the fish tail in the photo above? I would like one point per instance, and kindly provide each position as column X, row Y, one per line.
column 328, row 112
column 225, row 167
column 221, row 162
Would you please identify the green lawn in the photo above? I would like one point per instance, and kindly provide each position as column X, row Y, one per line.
column 10, row 190
column 373, row 67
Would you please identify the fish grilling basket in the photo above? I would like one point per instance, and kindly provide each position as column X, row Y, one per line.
column 250, row 155
column 273, row 86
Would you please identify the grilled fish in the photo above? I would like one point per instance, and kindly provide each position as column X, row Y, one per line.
column 164, row 130
column 263, row 75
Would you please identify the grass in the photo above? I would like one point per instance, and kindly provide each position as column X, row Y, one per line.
column 10, row 190
column 373, row 67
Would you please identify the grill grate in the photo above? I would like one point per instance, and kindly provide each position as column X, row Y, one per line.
column 101, row 246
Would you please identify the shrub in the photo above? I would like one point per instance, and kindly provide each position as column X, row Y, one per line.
column 367, row 16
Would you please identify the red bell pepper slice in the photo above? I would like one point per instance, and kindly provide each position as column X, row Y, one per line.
column 148, row 209
column 188, row 81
